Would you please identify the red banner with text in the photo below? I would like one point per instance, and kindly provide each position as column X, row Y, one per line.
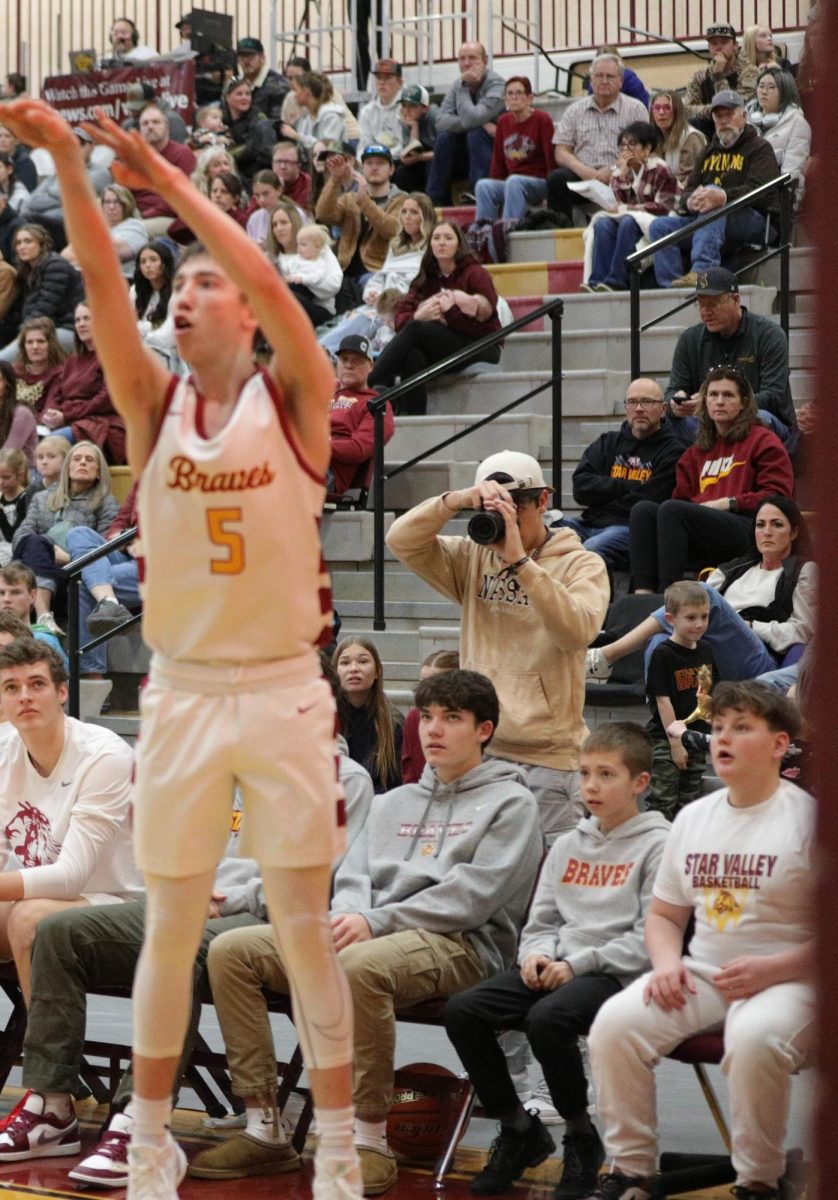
column 76, row 96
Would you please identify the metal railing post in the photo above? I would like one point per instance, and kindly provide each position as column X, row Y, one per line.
column 556, row 349
column 785, row 255
column 378, row 621
column 74, row 686
column 634, row 320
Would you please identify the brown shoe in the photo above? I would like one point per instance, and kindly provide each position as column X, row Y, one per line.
column 243, row 1155
column 686, row 281
column 378, row 1170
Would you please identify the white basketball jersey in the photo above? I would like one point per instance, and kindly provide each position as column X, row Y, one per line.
column 233, row 571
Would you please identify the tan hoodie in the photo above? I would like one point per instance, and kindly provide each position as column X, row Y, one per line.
column 526, row 631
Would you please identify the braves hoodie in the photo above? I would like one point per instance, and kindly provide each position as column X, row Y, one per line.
column 593, row 896
column 449, row 858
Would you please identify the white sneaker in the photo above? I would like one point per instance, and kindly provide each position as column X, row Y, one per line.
column 596, row 664
column 342, row 1183
column 541, row 1104
column 155, row 1172
column 48, row 622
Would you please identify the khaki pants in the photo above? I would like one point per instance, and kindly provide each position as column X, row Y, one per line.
column 385, row 974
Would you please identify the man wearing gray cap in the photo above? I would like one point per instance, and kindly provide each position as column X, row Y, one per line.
column 729, row 71
column 734, row 163
column 532, row 600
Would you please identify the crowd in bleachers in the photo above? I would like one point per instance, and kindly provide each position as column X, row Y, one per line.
column 700, row 475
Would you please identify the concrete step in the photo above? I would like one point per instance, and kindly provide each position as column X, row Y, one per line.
column 549, row 278
column 527, row 432
column 349, row 536
column 604, row 348
column 355, row 582
column 546, row 245
column 402, row 615
column 610, row 310
column 429, row 478
column 586, row 393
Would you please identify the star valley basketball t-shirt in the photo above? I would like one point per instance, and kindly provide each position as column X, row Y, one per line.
column 745, row 872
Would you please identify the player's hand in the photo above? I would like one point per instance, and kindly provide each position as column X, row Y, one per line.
column 216, row 901
column 668, row 987
column 137, row 165
column 744, row 977
column 348, row 928
column 531, row 968
column 35, row 123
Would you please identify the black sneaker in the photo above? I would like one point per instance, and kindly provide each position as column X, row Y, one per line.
column 617, row 1186
column 509, row 1157
column 746, row 1193
column 584, row 1154
column 107, row 615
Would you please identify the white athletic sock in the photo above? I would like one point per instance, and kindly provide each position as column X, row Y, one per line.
column 372, row 1134
column 335, row 1146
column 151, row 1120
column 265, row 1125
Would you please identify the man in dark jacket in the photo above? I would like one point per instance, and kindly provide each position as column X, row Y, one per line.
column 635, row 462
column 735, row 162
column 730, row 334
column 269, row 87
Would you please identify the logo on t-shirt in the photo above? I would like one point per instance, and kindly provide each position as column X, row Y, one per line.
column 29, row 834
column 718, row 468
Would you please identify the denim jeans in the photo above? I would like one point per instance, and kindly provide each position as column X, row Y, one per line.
column 508, row 197
column 453, row 152
column 614, row 240
column 118, row 569
column 706, row 244
column 610, row 543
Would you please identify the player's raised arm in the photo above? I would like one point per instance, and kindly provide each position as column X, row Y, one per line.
column 300, row 366
column 137, row 380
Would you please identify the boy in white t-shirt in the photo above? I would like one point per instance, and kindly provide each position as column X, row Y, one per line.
column 739, row 862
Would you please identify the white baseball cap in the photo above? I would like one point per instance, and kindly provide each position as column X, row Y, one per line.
column 524, row 471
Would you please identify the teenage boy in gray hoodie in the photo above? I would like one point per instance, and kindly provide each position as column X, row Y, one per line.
column 428, row 901
column 582, row 943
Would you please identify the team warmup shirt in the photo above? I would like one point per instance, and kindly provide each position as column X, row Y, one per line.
column 745, row 872
column 69, row 833
column 233, row 569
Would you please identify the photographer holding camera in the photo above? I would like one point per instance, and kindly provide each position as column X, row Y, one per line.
column 533, row 599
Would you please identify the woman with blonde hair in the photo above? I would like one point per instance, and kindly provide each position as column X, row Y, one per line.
column 759, row 50
column 49, row 285
column 369, row 722
column 82, row 496
column 284, row 225
column 681, row 144
column 211, row 162
column 323, row 119
column 122, row 217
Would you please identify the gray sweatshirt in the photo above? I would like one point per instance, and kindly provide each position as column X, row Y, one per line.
column 593, row 896
column 448, row 858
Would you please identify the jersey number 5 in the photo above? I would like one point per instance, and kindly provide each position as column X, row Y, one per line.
column 230, row 540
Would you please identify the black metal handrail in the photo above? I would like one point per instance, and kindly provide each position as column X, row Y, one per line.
column 72, row 573
column 635, row 260
column 553, row 309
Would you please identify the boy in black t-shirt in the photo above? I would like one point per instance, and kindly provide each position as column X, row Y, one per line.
column 672, row 690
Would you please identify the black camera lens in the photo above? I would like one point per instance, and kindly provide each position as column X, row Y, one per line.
column 486, row 528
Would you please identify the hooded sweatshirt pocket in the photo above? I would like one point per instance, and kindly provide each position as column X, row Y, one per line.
column 526, row 717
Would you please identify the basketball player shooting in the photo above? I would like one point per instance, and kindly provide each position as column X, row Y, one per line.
column 232, row 462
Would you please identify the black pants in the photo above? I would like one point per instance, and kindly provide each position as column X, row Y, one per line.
column 38, row 552
column 316, row 313
column 418, row 345
column 665, row 538
column 553, row 1023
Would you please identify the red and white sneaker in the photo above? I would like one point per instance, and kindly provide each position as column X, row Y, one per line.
column 32, row 1133
column 107, row 1166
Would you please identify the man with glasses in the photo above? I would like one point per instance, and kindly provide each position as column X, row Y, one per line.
column 635, row 462
column 585, row 140
column 296, row 183
column 729, row 335
column 532, row 602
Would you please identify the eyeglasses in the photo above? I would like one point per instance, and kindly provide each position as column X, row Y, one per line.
column 627, row 144
column 643, row 402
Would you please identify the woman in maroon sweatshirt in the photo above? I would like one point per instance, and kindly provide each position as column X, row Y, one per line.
column 81, row 408
column 452, row 303
column 720, row 482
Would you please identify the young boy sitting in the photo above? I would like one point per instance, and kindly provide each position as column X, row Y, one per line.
column 672, row 691
column 739, row 861
column 582, row 943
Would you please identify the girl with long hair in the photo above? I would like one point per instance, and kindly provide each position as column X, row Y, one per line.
column 81, row 408
column 776, row 114
column 284, row 224
column 681, row 143
column 152, row 294
column 18, row 428
column 720, row 481
column 50, row 286
column 39, row 361
column 368, row 721
column 451, row 303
